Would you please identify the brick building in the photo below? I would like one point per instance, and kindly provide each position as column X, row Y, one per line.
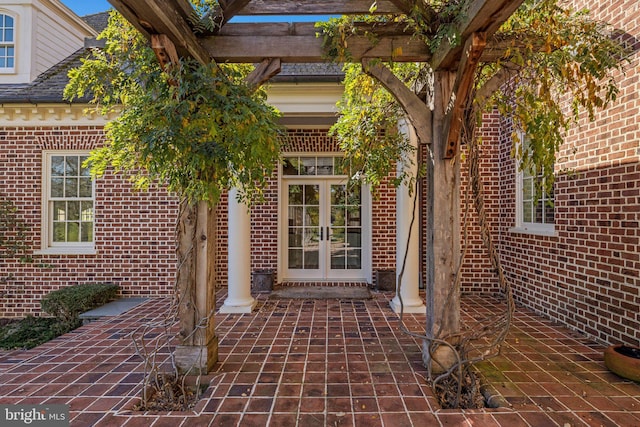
column 577, row 263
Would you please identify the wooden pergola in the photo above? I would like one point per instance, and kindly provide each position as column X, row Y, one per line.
column 437, row 121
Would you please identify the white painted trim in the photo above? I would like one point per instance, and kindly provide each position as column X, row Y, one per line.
column 521, row 227
column 46, row 232
column 24, row 114
column 305, row 99
column 535, row 230
column 58, row 250
column 68, row 15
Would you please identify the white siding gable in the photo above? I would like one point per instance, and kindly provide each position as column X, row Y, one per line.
column 46, row 33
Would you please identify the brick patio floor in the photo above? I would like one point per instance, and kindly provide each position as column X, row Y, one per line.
column 322, row 363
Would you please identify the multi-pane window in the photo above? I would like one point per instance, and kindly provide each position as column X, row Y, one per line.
column 314, row 165
column 7, row 42
column 537, row 206
column 535, row 211
column 70, row 200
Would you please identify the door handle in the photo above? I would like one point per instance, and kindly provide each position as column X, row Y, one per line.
column 327, row 232
column 321, row 230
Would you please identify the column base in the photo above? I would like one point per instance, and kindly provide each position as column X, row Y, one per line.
column 413, row 305
column 196, row 359
column 238, row 306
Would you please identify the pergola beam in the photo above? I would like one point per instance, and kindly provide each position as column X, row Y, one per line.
column 461, row 88
column 298, row 42
column 165, row 50
column 415, row 108
column 324, row 7
column 252, row 49
column 221, row 15
column 484, row 16
column 167, row 17
column 263, row 72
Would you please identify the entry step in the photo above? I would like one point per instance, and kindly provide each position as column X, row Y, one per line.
column 113, row 308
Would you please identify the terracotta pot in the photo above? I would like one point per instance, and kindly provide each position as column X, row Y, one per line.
column 624, row 361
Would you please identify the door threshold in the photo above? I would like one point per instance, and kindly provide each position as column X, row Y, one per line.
column 325, row 283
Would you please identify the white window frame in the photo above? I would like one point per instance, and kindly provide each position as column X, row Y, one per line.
column 535, row 228
column 9, row 70
column 46, row 236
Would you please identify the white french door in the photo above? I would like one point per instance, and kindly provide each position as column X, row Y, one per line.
column 324, row 233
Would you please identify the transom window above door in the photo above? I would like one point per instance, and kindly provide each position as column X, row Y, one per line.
column 314, row 166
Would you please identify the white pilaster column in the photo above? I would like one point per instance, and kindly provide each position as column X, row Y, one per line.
column 405, row 209
column 239, row 299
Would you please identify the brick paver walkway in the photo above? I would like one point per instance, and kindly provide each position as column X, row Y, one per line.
column 322, row 363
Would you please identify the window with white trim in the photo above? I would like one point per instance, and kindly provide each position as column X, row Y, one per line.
column 7, row 43
column 535, row 209
column 68, row 203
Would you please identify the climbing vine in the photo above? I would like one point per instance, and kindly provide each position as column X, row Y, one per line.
column 367, row 128
column 196, row 130
column 557, row 66
column 13, row 240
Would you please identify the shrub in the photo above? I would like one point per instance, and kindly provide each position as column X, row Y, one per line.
column 28, row 332
column 68, row 303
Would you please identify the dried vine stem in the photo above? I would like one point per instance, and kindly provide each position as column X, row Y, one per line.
column 164, row 387
column 482, row 338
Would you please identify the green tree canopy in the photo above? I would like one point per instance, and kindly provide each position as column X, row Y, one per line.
column 198, row 129
column 558, row 64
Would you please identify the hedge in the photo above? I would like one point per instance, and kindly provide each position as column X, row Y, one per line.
column 68, row 303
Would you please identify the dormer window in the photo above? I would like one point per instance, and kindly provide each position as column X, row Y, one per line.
column 7, row 43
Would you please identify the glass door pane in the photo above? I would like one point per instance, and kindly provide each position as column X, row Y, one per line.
column 303, row 226
column 345, row 227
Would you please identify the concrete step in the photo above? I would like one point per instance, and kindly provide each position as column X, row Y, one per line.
column 113, row 308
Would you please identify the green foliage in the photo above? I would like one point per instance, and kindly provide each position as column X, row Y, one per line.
column 198, row 129
column 434, row 22
column 29, row 332
column 559, row 67
column 66, row 304
column 367, row 128
column 563, row 67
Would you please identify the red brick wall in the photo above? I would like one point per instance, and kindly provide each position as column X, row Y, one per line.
column 587, row 276
column 478, row 276
column 133, row 230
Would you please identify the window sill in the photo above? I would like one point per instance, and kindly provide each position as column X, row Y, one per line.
column 67, row 251
column 535, row 231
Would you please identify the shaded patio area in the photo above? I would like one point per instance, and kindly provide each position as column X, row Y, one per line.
column 322, row 362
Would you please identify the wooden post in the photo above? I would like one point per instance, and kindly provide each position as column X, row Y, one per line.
column 443, row 233
column 198, row 351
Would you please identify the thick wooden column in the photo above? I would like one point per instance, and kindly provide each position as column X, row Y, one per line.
column 198, row 351
column 443, row 232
